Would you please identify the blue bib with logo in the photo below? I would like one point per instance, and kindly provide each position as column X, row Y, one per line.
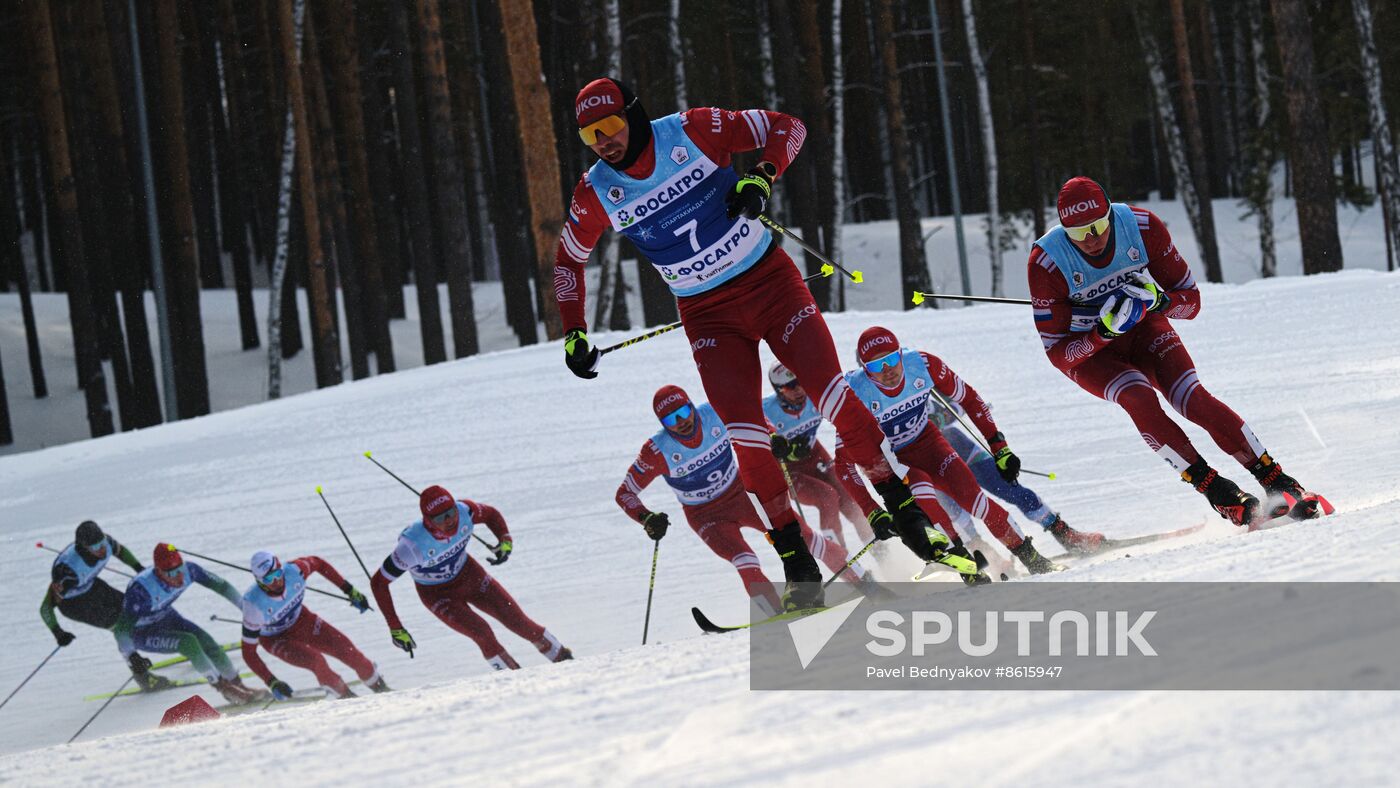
column 802, row 424
column 1090, row 286
column 903, row 416
column 706, row 472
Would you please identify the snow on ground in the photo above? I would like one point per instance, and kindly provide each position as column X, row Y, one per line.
column 239, row 378
column 1310, row 362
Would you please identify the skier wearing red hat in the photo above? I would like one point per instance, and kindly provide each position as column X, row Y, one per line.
column 433, row 551
column 693, row 453
column 1104, row 285
column 149, row 622
column 895, row 383
column 669, row 186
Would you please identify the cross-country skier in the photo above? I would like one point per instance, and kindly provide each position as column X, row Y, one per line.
column 794, row 421
column 274, row 614
column 999, row 474
column 149, row 622
column 1103, row 286
column 433, row 551
column 694, row 453
column 668, row 185
column 79, row 594
column 894, row 384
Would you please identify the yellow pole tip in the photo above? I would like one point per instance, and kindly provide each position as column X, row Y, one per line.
column 857, row 277
column 318, row 489
column 1052, row 477
column 367, row 454
column 918, row 297
column 827, row 270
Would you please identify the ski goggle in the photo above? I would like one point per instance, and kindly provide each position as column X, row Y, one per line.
column 877, row 365
column 173, row 577
column 608, row 126
column 273, row 576
column 1083, row 231
column 791, row 384
column 677, row 416
column 443, row 518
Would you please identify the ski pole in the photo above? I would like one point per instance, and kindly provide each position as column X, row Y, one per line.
column 651, row 588
column 104, row 706
column 217, row 617
column 370, row 457
column 55, row 651
column 977, row 436
column 919, row 298
column 656, row 332
column 342, row 532
column 853, row 559
column 109, row 568
column 212, row 560
column 828, row 265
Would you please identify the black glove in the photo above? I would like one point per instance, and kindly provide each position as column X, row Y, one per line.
column 655, row 524
column 1008, row 464
column 502, row 552
column 139, row 665
column 794, row 450
column 580, row 355
column 882, row 523
column 63, row 636
column 281, row 690
column 751, row 193
column 357, row 598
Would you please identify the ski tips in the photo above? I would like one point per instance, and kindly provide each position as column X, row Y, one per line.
column 857, row 277
column 918, row 298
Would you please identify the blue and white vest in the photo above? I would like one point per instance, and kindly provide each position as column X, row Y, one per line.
column 270, row 615
column 1089, row 286
column 802, row 424
column 903, row 417
column 85, row 573
column 147, row 599
column 706, row 472
column 432, row 561
column 676, row 216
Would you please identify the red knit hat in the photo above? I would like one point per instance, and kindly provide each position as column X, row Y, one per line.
column 166, row 557
column 434, row 501
column 598, row 99
column 668, row 398
column 1081, row 202
column 875, row 342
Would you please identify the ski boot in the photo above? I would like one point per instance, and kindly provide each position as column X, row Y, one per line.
column 1285, row 494
column 377, row 686
column 1031, row 558
column 992, row 562
column 1076, row 542
column 910, row 523
column 235, row 691
column 150, row 682
column 804, row 579
column 1234, row 504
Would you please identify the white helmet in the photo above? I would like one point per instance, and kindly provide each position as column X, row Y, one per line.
column 779, row 375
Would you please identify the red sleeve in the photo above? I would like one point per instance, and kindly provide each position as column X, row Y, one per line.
column 582, row 229
column 851, row 481
column 255, row 662
column 1167, row 267
column 955, row 390
column 720, row 133
column 644, row 470
column 492, row 518
column 1051, row 309
column 312, row 564
column 379, row 585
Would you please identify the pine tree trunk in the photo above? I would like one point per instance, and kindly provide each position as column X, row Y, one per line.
column 541, row 160
column 989, row 146
column 324, row 334
column 277, row 316
column 447, row 170
column 1382, row 147
column 1195, row 144
column 1226, row 160
column 1171, row 132
column 414, row 188
column 238, row 202
column 913, row 267
column 677, row 52
column 13, row 176
column 382, row 156
column 1029, row 86
column 609, row 249
column 1309, row 149
column 838, row 150
column 69, row 242
column 1259, row 189
column 815, row 161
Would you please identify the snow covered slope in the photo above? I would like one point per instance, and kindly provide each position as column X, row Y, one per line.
column 1311, row 363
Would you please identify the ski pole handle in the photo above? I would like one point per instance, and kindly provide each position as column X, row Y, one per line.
column 919, row 298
